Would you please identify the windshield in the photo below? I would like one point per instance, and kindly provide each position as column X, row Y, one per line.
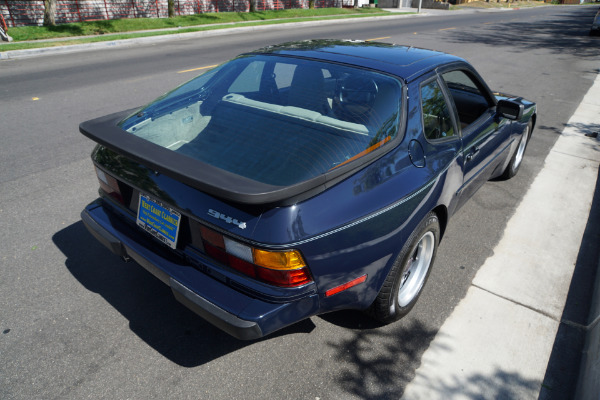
column 277, row 120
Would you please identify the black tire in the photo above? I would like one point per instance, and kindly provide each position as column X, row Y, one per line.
column 517, row 158
column 406, row 279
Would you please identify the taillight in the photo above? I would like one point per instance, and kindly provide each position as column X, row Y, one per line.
column 109, row 185
column 279, row 268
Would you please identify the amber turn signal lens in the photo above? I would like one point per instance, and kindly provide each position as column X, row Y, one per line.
column 282, row 260
column 279, row 268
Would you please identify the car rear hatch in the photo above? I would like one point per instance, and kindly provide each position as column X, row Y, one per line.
column 191, row 223
column 207, row 257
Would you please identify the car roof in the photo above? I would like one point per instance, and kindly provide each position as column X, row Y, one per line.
column 406, row 62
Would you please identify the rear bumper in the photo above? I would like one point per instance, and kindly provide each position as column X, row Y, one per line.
column 234, row 312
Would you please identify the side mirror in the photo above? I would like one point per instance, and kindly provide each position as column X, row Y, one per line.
column 510, row 109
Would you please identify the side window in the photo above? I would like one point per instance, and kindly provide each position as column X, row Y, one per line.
column 436, row 113
column 469, row 100
column 249, row 80
column 283, row 75
column 285, row 72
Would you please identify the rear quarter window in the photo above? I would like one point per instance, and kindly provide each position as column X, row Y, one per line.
column 437, row 122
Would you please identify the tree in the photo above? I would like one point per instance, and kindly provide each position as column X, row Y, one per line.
column 49, row 12
column 171, row 8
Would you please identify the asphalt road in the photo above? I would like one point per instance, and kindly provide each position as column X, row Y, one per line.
column 76, row 322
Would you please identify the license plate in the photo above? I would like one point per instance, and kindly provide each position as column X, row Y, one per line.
column 159, row 220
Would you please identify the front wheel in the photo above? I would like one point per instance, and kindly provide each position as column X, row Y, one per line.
column 410, row 271
column 515, row 161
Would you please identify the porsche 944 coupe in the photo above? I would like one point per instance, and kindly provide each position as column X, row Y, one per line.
column 302, row 178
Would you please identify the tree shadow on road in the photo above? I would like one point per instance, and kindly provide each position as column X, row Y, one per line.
column 569, row 35
column 148, row 304
column 377, row 363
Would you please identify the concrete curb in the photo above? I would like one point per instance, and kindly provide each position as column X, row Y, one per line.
column 588, row 385
column 14, row 54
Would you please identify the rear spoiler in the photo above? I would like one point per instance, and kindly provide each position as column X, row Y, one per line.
column 204, row 177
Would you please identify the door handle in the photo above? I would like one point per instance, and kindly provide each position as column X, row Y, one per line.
column 472, row 153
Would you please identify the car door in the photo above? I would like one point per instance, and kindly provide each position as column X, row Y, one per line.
column 485, row 137
column 442, row 146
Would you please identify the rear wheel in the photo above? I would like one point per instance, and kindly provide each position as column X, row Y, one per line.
column 515, row 162
column 410, row 271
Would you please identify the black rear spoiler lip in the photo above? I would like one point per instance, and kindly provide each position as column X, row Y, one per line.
column 204, row 177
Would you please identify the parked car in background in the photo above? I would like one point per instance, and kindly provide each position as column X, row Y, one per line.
column 595, row 29
column 302, row 178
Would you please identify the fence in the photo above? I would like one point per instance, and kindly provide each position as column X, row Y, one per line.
column 17, row 13
column 31, row 12
column 288, row 4
column 188, row 7
column 262, row 5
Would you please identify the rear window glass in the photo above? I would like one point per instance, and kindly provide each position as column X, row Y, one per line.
column 276, row 120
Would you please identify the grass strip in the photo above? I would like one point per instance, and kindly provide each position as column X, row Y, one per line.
column 89, row 28
column 112, row 37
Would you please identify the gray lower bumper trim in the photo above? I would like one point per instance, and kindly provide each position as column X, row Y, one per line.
column 239, row 328
column 236, row 327
column 102, row 235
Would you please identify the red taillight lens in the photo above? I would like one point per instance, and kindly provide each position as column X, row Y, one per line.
column 279, row 268
column 242, row 266
column 109, row 185
column 284, row 278
column 216, row 253
column 212, row 237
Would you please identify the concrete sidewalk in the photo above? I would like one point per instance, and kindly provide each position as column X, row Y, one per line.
column 498, row 341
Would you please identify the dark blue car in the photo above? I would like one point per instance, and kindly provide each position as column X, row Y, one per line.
column 302, row 178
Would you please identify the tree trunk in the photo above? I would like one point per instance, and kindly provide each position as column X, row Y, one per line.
column 49, row 12
column 171, row 8
column 252, row 5
column 311, row 4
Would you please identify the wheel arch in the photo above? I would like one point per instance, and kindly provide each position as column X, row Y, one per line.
column 442, row 214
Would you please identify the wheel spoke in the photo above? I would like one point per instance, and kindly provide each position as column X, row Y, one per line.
column 521, row 148
column 416, row 269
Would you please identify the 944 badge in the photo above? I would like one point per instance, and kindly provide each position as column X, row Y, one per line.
column 226, row 218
